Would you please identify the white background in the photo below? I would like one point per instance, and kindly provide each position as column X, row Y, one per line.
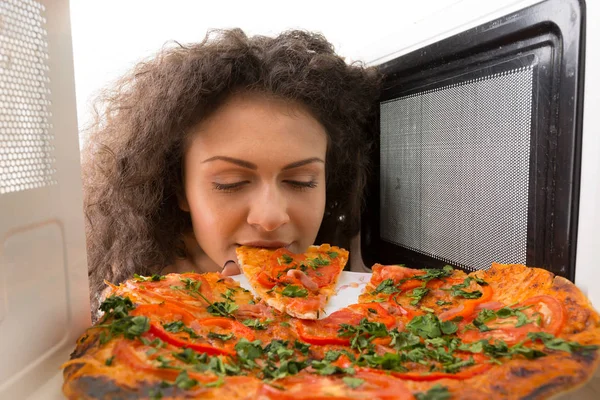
column 110, row 36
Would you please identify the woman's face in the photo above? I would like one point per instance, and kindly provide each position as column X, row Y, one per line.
column 255, row 175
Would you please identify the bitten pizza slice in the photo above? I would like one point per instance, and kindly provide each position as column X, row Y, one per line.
column 297, row 284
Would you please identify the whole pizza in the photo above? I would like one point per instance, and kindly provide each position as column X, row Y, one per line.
column 510, row 332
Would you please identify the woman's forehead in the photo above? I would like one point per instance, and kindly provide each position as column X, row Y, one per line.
column 250, row 124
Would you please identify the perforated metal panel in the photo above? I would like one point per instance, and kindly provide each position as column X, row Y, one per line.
column 455, row 170
column 26, row 144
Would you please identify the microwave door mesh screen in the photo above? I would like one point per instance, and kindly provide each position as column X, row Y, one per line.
column 454, row 165
column 27, row 159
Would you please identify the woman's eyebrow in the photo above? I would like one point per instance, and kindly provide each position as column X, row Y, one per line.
column 249, row 165
column 236, row 161
column 300, row 163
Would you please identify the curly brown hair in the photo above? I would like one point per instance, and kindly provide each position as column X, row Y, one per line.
column 133, row 154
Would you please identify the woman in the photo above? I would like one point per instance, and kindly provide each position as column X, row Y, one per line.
column 236, row 140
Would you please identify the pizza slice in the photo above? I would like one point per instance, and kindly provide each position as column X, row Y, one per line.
column 297, row 284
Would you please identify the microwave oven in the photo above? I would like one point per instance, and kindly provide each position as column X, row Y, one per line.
column 488, row 150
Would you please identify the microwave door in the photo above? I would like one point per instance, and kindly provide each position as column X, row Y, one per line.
column 479, row 147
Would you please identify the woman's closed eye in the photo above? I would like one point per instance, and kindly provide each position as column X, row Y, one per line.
column 302, row 185
column 229, row 187
column 235, row 186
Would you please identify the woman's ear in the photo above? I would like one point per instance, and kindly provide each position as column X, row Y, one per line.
column 182, row 201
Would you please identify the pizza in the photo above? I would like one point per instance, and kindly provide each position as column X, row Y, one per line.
column 297, row 284
column 510, row 332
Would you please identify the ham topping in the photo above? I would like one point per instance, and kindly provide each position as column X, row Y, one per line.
column 304, row 279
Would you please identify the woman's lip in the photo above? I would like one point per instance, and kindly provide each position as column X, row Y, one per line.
column 266, row 243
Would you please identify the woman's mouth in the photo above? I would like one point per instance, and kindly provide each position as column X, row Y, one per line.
column 269, row 244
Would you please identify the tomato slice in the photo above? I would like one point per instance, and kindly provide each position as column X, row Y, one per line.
column 510, row 335
column 325, row 331
column 411, row 284
column 265, row 280
column 314, row 387
column 278, row 261
column 206, row 345
column 305, row 304
column 165, row 313
column 200, row 347
column 433, row 376
column 325, row 274
column 547, row 309
column 374, row 312
column 480, row 366
column 468, row 307
column 125, row 351
column 551, row 311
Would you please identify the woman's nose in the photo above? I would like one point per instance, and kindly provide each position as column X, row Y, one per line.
column 268, row 209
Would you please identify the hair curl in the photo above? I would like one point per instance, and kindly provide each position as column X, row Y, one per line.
column 133, row 154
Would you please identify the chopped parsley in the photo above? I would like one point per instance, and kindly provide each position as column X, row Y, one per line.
column 157, row 343
column 285, row 368
column 554, row 343
column 436, row 392
column 183, row 381
column 294, row 291
column 165, row 363
column 353, row 382
column 153, row 278
column 428, row 326
column 499, row 349
column 301, row 347
column 221, row 336
column 117, row 308
column 319, row 262
column 179, row 326
column 417, row 294
column 431, row 274
column 191, row 285
column 222, row 308
column 484, row 316
column 386, row 286
column 326, row 368
column 228, row 294
column 256, row 324
column 247, row 350
column 189, row 356
column 457, row 290
column 362, row 335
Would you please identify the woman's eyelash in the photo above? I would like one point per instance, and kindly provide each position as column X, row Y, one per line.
column 229, row 187
column 303, row 185
column 232, row 187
